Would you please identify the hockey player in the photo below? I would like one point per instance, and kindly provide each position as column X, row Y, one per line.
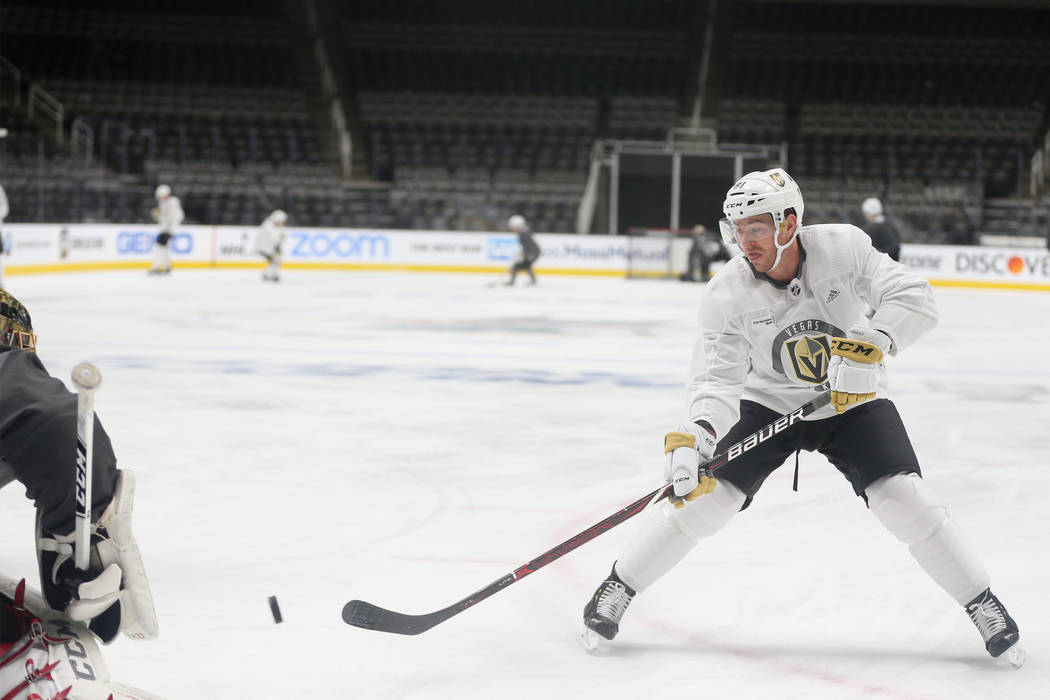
column 168, row 214
column 783, row 320
column 705, row 249
column 881, row 230
column 37, row 438
column 268, row 242
column 529, row 252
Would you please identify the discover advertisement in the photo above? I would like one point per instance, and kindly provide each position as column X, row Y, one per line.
column 980, row 266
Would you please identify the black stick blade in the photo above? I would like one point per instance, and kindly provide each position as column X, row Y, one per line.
column 372, row 617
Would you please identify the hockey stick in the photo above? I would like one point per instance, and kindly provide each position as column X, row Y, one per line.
column 499, row 281
column 372, row 617
column 86, row 378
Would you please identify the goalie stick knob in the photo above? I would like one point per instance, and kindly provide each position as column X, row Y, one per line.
column 86, row 376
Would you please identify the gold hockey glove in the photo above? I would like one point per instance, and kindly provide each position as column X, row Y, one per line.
column 853, row 371
column 686, row 449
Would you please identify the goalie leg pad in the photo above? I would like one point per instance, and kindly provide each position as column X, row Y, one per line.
column 47, row 639
column 668, row 534
column 46, row 655
column 908, row 508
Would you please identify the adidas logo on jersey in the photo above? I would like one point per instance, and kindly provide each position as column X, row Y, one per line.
column 831, row 296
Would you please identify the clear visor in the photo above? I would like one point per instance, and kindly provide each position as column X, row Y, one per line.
column 741, row 231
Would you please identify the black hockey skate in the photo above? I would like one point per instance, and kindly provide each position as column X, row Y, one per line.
column 998, row 629
column 605, row 609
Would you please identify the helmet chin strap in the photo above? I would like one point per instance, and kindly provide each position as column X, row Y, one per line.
column 781, row 248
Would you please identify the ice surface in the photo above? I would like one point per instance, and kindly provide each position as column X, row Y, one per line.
column 407, row 439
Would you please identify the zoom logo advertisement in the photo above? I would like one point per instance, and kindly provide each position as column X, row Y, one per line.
column 338, row 245
column 141, row 242
column 501, row 247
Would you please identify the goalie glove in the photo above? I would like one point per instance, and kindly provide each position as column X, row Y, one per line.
column 853, row 372
column 113, row 595
column 687, row 448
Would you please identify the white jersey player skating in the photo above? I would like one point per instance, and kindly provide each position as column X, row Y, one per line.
column 268, row 243
column 780, row 325
column 168, row 214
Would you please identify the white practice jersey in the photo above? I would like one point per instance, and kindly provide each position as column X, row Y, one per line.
column 770, row 343
column 169, row 214
column 269, row 237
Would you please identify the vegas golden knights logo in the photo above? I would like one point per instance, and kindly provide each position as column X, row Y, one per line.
column 809, row 358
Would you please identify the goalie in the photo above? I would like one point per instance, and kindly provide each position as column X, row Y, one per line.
column 37, row 437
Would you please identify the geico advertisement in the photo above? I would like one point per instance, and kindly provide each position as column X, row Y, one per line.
column 137, row 242
column 979, row 263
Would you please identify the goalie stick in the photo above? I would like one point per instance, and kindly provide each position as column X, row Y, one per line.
column 86, row 378
column 372, row 617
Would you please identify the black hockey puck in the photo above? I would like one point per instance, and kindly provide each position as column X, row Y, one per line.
column 276, row 610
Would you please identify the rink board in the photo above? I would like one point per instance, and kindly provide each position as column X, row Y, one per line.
column 42, row 248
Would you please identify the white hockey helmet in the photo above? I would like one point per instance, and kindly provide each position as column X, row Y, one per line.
column 278, row 217
column 771, row 192
column 162, row 192
column 516, row 222
column 871, row 207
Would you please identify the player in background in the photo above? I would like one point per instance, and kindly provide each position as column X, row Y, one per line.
column 880, row 229
column 705, row 249
column 168, row 214
column 782, row 321
column 529, row 252
column 37, row 439
column 268, row 243
column 5, row 238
